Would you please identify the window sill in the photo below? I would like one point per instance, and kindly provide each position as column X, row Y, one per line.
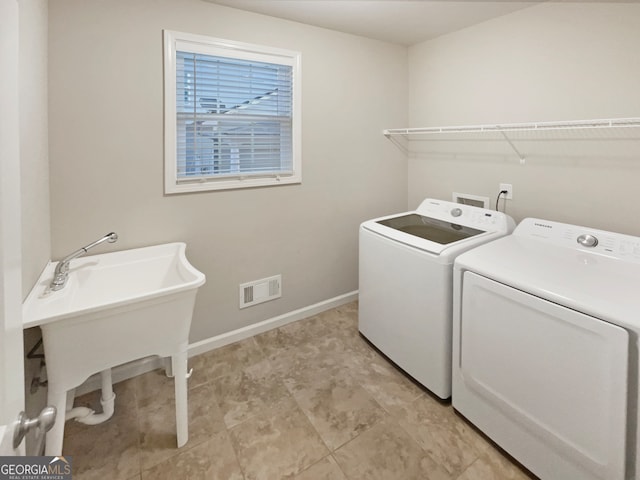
column 230, row 184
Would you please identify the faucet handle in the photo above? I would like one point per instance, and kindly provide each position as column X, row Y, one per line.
column 59, row 281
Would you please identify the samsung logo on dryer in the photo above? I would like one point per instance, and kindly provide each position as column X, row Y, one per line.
column 543, row 225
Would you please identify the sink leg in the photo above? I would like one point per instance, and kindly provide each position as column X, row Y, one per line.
column 179, row 369
column 168, row 370
column 56, row 434
column 71, row 397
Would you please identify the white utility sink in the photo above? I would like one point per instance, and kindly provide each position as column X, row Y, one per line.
column 115, row 308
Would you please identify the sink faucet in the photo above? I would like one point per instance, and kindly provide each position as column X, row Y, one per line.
column 62, row 269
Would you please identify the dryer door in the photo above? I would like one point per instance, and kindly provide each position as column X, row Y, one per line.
column 545, row 382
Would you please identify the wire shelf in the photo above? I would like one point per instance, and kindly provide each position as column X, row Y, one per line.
column 519, row 127
column 576, row 130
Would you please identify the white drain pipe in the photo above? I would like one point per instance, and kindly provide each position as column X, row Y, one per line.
column 90, row 417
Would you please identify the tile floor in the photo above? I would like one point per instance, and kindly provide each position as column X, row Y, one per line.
column 308, row 401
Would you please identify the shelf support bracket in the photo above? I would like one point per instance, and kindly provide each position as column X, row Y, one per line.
column 508, row 140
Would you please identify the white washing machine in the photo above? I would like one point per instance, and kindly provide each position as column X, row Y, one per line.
column 545, row 348
column 405, row 291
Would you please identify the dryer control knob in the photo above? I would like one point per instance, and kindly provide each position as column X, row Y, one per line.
column 456, row 212
column 587, row 240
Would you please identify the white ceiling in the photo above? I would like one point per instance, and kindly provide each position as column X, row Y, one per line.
column 405, row 22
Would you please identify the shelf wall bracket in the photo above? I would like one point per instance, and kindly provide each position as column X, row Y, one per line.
column 508, row 140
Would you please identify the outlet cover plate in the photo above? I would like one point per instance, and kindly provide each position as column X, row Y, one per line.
column 509, row 188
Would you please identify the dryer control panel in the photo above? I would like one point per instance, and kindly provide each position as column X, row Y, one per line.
column 612, row 244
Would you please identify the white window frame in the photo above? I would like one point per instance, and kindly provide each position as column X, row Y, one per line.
column 179, row 41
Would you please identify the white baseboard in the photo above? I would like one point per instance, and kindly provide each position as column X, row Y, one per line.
column 144, row 365
column 121, row 373
column 251, row 330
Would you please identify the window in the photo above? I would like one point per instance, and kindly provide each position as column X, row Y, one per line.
column 232, row 114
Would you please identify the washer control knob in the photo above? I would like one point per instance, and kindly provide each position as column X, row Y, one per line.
column 456, row 212
column 587, row 240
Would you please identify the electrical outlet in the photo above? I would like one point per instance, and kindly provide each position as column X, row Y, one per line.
column 509, row 188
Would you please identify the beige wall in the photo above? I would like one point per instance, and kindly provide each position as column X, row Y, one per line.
column 556, row 61
column 34, row 159
column 106, row 153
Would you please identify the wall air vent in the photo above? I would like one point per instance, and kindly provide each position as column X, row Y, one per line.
column 258, row 291
column 469, row 199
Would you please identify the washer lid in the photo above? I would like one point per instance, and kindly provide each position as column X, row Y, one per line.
column 438, row 231
column 549, row 260
column 438, row 225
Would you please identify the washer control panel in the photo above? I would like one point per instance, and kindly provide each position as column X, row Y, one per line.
column 466, row 215
column 612, row 244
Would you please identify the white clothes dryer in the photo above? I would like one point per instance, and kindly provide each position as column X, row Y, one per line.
column 545, row 348
column 405, row 290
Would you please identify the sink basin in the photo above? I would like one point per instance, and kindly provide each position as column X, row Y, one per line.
column 115, row 308
column 100, row 282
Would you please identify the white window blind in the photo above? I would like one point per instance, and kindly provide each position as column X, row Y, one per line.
column 235, row 117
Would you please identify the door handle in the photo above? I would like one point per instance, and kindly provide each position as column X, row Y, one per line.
column 42, row 423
